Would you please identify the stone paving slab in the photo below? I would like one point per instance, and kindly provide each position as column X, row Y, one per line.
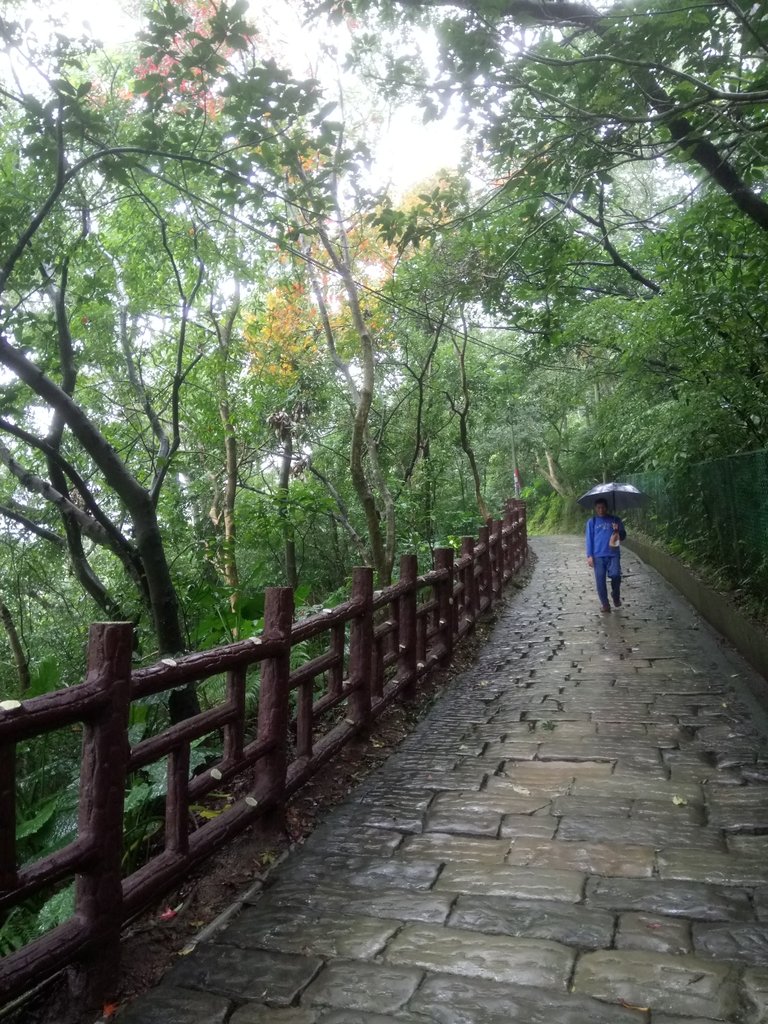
column 591, row 858
column 255, row 1014
column 577, row 833
column 693, row 900
column 638, row 831
column 523, row 883
column 356, row 986
column 672, row 984
column 335, row 898
column 712, row 866
column 166, row 1005
column 755, row 987
column 738, row 943
column 446, row 848
column 461, row 1000
column 265, row 975
column 289, row 930
column 663, row 1018
column 654, row 933
column 515, row 826
column 536, row 962
column 538, row 919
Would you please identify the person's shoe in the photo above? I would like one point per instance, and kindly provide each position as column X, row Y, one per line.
column 605, row 608
column 617, row 602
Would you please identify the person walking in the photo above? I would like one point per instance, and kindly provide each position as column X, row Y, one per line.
column 603, row 536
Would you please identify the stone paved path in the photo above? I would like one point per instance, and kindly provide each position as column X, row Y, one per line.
column 577, row 834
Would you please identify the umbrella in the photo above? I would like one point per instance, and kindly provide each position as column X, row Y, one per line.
column 618, row 496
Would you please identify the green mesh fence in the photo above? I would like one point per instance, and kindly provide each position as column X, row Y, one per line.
column 714, row 515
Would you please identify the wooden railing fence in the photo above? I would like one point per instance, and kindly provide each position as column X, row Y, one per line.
column 380, row 644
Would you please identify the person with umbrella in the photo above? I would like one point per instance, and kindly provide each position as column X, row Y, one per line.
column 605, row 532
column 603, row 536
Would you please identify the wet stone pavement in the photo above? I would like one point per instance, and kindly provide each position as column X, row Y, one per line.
column 576, row 834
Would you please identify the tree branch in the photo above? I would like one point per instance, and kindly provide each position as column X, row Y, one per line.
column 36, row 485
column 10, row 511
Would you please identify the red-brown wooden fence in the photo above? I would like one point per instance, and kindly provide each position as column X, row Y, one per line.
column 395, row 636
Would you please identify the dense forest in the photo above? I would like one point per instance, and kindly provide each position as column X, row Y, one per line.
column 231, row 357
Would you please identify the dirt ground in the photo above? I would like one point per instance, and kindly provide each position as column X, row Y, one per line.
column 153, row 941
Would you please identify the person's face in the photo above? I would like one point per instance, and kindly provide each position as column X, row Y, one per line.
column 601, row 509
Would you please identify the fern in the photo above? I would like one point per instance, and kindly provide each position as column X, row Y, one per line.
column 18, row 929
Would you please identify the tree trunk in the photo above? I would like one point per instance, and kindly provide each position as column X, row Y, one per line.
column 361, row 398
column 17, row 648
column 463, row 414
column 82, row 568
column 552, row 474
column 136, row 499
column 466, row 446
column 283, row 494
column 224, row 332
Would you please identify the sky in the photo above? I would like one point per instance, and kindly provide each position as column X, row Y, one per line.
column 408, row 151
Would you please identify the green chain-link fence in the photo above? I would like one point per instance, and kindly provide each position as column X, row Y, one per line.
column 715, row 516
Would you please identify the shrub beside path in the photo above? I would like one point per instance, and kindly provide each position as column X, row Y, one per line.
column 576, row 834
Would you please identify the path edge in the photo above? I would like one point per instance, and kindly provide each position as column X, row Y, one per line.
column 748, row 639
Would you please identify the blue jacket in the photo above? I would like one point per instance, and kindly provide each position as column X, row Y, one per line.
column 598, row 534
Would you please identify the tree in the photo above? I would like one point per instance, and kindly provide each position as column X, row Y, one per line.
column 636, row 83
column 112, row 207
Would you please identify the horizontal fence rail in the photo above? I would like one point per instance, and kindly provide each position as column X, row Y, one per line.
column 380, row 643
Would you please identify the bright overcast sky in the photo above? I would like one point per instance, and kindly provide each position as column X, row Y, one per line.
column 408, row 151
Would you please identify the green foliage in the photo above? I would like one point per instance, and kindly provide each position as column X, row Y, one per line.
column 549, row 512
column 580, row 318
column 714, row 516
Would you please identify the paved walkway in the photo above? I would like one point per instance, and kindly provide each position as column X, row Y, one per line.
column 577, row 834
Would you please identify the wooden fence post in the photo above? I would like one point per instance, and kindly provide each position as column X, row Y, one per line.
column 8, row 874
column 274, row 694
column 470, row 588
column 498, row 559
column 406, row 633
column 484, row 536
column 361, row 648
column 234, row 733
column 103, row 772
column 523, row 508
column 518, row 537
column 510, row 558
column 444, row 598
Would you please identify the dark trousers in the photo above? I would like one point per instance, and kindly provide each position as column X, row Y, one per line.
column 607, row 565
